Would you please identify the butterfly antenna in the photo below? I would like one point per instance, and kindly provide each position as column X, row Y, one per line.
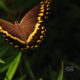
column 20, row 13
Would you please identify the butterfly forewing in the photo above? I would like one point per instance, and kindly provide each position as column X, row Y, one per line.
column 35, row 16
column 29, row 20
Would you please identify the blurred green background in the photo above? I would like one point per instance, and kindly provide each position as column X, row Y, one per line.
column 61, row 43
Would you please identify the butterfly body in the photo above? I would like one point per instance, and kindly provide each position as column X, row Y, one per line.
column 30, row 31
column 16, row 24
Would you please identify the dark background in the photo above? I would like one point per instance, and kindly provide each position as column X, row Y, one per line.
column 61, row 42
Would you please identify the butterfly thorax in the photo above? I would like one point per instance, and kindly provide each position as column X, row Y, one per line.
column 16, row 23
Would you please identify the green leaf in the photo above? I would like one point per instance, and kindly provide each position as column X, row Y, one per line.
column 2, row 61
column 3, row 6
column 60, row 77
column 8, row 61
column 13, row 67
column 3, row 50
column 5, row 66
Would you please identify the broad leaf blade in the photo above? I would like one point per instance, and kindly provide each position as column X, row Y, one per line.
column 13, row 67
column 5, row 66
column 2, row 61
column 60, row 77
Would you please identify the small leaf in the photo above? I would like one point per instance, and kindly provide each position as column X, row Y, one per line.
column 5, row 66
column 3, row 6
column 13, row 67
column 1, row 61
column 60, row 77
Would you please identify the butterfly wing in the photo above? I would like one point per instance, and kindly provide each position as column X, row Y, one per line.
column 7, row 26
column 31, row 23
column 29, row 20
column 10, row 30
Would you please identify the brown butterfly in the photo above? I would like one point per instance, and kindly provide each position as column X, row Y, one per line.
column 30, row 31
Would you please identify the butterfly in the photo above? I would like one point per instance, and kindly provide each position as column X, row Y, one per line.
column 29, row 33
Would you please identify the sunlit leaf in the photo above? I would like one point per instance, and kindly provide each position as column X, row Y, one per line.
column 2, row 61
column 8, row 61
column 5, row 66
column 60, row 77
column 12, row 68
